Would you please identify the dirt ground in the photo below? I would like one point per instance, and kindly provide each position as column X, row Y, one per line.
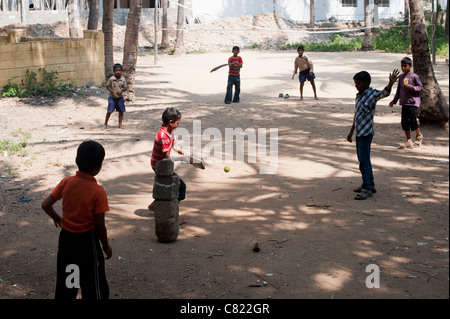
column 315, row 240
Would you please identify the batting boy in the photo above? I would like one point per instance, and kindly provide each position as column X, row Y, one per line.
column 80, row 259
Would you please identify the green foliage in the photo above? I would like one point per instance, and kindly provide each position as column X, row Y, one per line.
column 16, row 145
column 391, row 40
column 337, row 42
column 48, row 86
column 388, row 40
column 12, row 90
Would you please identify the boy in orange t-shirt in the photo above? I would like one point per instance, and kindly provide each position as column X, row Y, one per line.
column 80, row 262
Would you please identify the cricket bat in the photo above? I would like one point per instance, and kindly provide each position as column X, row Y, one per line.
column 218, row 67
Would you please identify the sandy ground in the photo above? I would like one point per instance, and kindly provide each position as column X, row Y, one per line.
column 315, row 239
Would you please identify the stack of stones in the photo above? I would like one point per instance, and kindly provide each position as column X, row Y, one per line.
column 165, row 193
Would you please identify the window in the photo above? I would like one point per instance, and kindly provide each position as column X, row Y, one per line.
column 383, row 3
column 349, row 3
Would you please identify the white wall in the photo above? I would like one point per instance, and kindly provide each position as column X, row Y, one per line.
column 297, row 10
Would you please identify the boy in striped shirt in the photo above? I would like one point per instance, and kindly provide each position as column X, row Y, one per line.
column 366, row 100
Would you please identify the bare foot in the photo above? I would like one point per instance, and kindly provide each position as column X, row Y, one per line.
column 104, row 127
column 151, row 206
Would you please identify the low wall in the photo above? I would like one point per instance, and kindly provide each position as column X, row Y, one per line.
column 80, row 60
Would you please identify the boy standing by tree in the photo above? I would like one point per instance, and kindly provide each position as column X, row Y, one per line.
column 408, row 92
column 366, row 100
column 306, row 70
column 116, row 85
column 235, row 63
column 83, row 226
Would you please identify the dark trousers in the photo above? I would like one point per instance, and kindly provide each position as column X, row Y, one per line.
column 236, row 81
column 182, row 190
column 83, row 251
column 363, row 144
column 409, row 118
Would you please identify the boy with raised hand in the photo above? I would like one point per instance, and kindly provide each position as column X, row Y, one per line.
column 83, row 227
column 366, row 101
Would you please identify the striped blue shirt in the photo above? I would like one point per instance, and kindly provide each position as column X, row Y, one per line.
column 365, row 110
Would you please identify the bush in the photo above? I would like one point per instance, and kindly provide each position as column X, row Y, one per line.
column 32, row 87
column 337, row 42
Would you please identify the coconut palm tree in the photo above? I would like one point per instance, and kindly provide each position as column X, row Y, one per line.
column 434, row 106
column 93, row 14
column 107, row 27
column 131, row 46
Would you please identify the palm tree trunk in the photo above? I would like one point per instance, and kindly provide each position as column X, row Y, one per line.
column 434, row 106
column 107, row 27
column 312, row 14
column 131, row 46
column 179, row 42
column 72, row 11
column 367, row 44
column 93, row 14
column 165, row 31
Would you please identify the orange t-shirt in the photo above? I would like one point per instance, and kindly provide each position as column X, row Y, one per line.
column 82, row 199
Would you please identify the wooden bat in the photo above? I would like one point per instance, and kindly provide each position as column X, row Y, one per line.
column 218, row 67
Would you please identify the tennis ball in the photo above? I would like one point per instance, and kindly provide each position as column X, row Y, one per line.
column 226, row 169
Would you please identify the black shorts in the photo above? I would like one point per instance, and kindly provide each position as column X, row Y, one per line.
column 409, row 118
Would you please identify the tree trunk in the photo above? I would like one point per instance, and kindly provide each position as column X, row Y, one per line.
column 93, row 14
column 107, row 27
column 446, row 22
column 312, row 14
column 406, row 21
column 179, row 42
column 434, row 107
column 165, row 31
column 72, row 11
column 367, row 44
column 131, row 46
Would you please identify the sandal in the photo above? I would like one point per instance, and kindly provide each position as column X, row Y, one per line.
column 407, row 145
column 418, row 141
column 365, row 194
column 359, row 189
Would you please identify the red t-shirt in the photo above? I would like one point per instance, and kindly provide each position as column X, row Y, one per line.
column 163, row 143
column 235, row 70
column 82, row 199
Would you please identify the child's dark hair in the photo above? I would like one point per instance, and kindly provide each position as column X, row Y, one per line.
column 90, row 155
column 363, row 76
column 301, row 47
column 406, row 60
column 171, row 114
column 235, row 48
column 117, row 66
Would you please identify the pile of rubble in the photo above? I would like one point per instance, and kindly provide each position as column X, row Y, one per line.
column 263, row 31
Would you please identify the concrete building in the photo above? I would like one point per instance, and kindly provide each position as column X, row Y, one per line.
column 49, row 11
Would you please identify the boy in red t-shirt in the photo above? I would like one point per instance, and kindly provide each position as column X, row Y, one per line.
column 235, row 63
column 80, row 262
column 163, row 144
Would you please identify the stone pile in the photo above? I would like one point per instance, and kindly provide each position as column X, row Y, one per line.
column 165, row 193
